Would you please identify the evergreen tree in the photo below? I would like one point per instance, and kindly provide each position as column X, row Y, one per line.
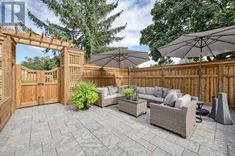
column 87, row 23
column 172, row 19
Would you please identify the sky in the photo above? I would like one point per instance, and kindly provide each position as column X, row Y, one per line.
column 136, row 15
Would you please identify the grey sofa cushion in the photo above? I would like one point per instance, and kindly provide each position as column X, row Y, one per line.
column 151, row 97
column 176, row 90
column 149, row 90
column 104, row 91
column 165, row 92
column 113, row 96
column 158, row 91
column 141, row 90
column 171, row 99
column 112, row 90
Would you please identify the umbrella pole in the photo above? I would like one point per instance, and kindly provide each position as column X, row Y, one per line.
column 199, row 75
column 129, row 77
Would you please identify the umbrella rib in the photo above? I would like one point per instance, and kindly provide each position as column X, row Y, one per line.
column 190, row 43
column 177, row 49
column 222, row 41
column 130, row 61
column 136, row 57
column 176, row 44
column 224, row 35
column 108, row 62
column 212, row 34
column 208, row 47
column 190, row 49
column 213, row 41
column 222, row 31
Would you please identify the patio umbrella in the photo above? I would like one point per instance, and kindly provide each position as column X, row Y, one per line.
column 120, row 58
column 207, row 43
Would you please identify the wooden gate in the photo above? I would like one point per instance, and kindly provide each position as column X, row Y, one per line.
column 34, row 87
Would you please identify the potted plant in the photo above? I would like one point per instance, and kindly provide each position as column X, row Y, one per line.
column 128, row 92
column 84, row 95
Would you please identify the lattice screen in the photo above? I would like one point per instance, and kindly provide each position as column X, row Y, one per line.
column 76, row 61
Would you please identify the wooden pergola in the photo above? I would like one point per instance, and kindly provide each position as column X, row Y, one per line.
column 72, row 61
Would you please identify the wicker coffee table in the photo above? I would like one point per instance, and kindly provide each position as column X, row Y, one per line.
column 135, row 108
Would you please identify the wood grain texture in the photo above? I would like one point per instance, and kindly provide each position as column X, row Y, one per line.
column 36, row 87
column 5, row 111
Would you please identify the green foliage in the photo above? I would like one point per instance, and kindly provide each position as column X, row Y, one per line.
column 86, row 22
column 165, row 61
column 128, row 92
column 172, row 19
column 85, row 94
column 41, row 63
column 191, row 60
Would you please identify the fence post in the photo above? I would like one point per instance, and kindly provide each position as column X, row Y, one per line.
column 18, row 85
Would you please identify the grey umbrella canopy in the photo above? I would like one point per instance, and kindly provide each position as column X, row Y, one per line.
column 207, row 43
column 120, row 58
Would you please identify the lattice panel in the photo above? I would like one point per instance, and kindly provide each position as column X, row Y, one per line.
column 75, row 76
column 75, row 59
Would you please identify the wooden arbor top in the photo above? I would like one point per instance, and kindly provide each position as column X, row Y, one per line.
column 29, row 38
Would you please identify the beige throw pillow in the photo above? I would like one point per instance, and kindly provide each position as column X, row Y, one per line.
column 180, row 102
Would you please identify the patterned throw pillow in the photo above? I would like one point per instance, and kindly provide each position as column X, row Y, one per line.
column 165, row 92
column 158, row 92
column 112, row 90
column 170, row 99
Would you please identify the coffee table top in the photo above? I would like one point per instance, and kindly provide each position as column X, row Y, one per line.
column 200, row 102
column 132, row 101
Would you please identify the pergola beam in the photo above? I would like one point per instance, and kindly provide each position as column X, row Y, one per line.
column 36, row 40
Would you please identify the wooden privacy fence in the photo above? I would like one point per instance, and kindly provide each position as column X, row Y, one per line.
column 217, row 76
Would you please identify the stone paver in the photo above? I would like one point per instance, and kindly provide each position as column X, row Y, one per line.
column 53, row 130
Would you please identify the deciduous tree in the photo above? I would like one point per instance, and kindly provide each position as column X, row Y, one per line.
column 172, row 19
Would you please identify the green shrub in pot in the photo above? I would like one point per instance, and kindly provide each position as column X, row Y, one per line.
column 128, row 92
column 84, row 95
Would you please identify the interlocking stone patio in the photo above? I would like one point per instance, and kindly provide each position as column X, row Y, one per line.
column 52, row 130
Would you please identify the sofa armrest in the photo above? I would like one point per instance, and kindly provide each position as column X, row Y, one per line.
column 101, row 95
column 163, row 107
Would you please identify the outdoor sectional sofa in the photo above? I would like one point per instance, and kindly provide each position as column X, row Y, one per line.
column 109, row 95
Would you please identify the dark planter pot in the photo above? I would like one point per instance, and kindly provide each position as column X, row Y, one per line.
column 128, row 97
column 86, row 106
